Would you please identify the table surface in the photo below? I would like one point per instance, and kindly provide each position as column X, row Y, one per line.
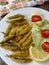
column 43, row 6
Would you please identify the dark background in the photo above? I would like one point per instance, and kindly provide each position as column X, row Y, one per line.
column 43, row 6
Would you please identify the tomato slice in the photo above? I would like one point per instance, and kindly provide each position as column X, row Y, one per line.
column 45, row 46
column 36, row 18
column 45, row 33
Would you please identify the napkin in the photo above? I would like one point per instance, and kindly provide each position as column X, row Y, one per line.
column 7, row 6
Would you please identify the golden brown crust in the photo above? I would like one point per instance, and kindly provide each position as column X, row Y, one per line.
column 18, row 39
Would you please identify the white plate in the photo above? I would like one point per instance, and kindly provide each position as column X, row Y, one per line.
column 27, row 12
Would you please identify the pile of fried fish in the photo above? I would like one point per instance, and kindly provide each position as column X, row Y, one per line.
column 18, row 38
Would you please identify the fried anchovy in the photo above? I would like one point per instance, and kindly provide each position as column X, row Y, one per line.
column 12, row 48
column 10, row 26
column 22, row 23
column 21, row 28
column 21, row 59
column 13, row 32
column 28, row 28
column 7, row 38
column 20, row 53
column 15, row 16
column 11, row 35
column 19, row 19
column 17, row 38
column 25, row 37
column 27, row 41
column 27, row 46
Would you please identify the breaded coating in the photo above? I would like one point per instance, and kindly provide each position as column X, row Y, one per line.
column 18, row 38
column 19, row 19
column 10, row 26
column 26, row 29
column 25, row 37
column 16, row 16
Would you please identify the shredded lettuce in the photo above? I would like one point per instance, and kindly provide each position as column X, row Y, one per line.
column 37, row 27
column 42, row 23
column 46, row 27
column 37, row 39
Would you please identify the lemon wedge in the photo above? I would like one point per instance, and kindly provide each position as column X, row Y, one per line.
column 39, row 56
